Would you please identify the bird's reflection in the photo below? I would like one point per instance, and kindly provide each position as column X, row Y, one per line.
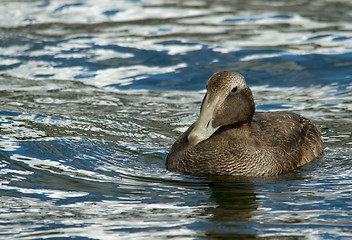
column 235, row 201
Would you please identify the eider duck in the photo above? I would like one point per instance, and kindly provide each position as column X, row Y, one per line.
column 230, row 138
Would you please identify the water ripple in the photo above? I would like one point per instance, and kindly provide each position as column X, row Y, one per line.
column 93, row 94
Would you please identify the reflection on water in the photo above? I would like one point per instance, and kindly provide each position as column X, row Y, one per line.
column 231, row 217
column 93, row 94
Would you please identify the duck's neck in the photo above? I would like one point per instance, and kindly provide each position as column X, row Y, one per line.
column 243, row 129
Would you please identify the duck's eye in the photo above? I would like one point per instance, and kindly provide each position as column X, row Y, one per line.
column 234, row 89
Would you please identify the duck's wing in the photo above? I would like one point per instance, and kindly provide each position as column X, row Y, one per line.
column 289, row 133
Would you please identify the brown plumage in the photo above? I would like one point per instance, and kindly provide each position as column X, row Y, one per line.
column 230, row 139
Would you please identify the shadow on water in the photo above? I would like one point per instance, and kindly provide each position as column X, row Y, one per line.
column 235, row 203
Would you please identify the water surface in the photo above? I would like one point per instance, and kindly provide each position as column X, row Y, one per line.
column 93, row 94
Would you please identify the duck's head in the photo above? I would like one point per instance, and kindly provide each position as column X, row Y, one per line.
column 228, row 101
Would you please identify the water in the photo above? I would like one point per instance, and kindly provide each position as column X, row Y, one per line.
column 93, row 94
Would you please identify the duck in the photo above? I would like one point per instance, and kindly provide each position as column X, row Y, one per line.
column 230, row 138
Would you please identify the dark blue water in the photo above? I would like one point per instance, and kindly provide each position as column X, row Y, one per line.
column 93, row 94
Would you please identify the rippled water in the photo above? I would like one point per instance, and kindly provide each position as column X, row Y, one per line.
column 93, row 94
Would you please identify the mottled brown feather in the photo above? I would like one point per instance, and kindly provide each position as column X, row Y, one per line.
column 272, row 143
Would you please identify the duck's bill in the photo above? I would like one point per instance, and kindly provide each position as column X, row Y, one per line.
column 203, row 127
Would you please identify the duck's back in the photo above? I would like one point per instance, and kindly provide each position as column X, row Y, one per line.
column 290, row 134
column 278, row 143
